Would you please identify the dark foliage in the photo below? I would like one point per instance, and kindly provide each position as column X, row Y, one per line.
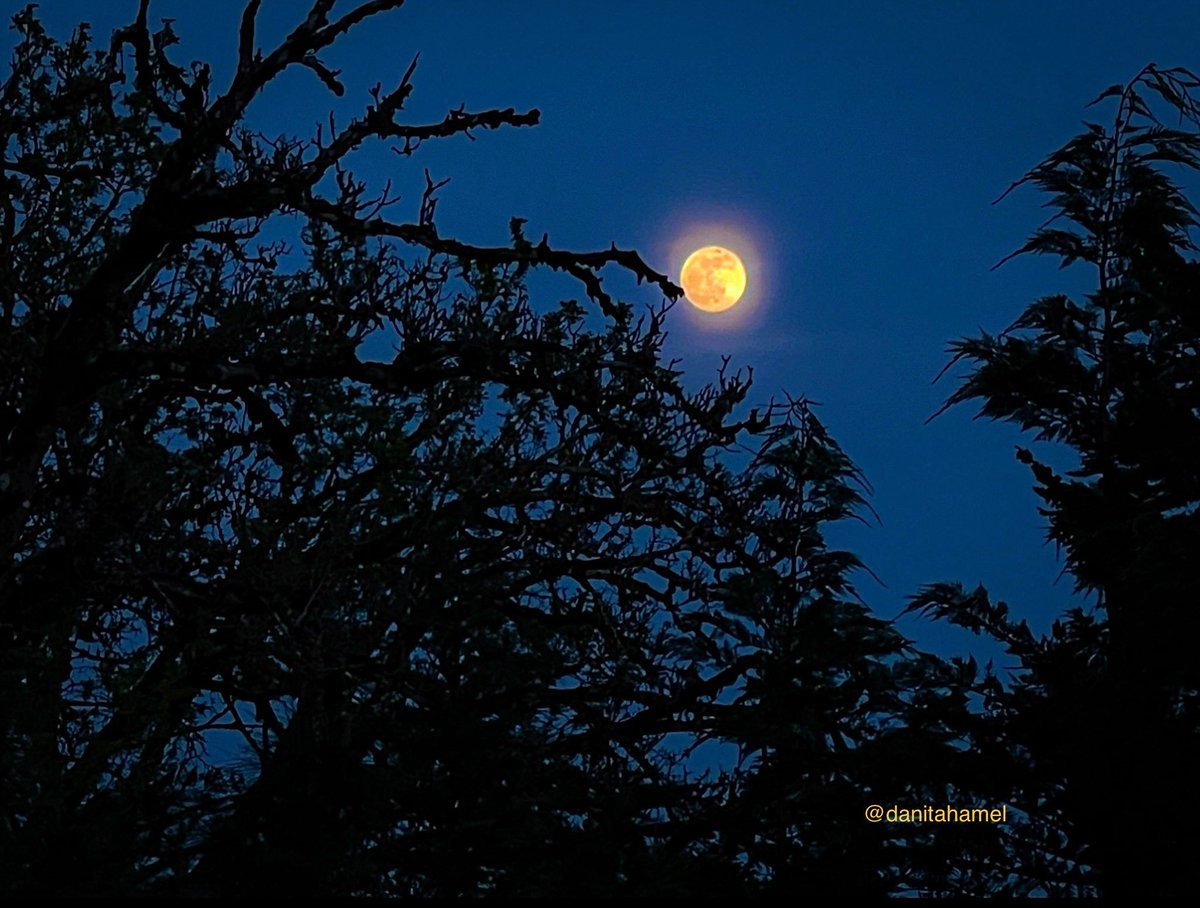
column 509, row 611
column 1098, row 736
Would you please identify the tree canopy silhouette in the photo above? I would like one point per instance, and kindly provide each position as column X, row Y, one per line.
column 1098, row 735
column 507, row 611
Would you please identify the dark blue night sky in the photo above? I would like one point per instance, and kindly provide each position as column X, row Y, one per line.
column 850, row 152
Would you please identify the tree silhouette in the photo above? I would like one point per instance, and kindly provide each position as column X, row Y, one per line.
column 282, row 619
column 1102, row 720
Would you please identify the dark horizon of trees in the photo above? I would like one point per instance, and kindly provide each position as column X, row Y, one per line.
column 478, row 616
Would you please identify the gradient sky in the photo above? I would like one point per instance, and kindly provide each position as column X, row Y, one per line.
column 851, row 152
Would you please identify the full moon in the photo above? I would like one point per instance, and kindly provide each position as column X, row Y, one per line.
column 713, row 278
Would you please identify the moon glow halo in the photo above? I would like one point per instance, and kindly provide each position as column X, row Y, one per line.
column 713, row 278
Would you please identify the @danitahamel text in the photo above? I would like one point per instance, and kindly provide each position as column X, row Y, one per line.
column 929, row 813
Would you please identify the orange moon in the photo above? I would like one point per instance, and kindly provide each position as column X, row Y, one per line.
column 713, row 278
